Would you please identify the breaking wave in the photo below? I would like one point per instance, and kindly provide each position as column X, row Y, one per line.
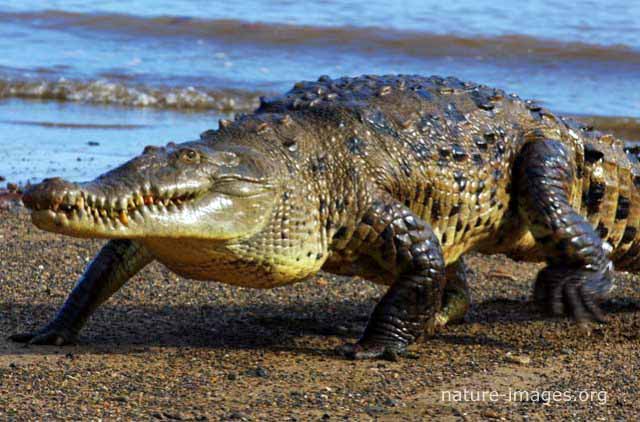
column 366, row 39
column 107, row 92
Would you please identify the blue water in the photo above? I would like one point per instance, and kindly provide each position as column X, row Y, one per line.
column 606, row 22
column 31, row 150
column 580, row 57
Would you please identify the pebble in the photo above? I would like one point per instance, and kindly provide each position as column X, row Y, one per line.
column 519, row 359
column 391, row 402
column 258, row 372
column 372, row 410
column 491, row 414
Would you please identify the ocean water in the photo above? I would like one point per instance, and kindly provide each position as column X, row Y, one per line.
column 127, row 74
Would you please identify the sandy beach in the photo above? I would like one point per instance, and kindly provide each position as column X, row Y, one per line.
column 168, row 348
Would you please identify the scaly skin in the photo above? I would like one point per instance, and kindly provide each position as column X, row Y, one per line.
column 391, row 178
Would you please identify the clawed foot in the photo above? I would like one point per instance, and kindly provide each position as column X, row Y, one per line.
column 371, row 350
column 46, row 336
column 578, row 293
column 453, row 311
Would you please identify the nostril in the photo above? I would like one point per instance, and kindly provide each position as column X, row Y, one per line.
column 151, row 149
column 53, row 183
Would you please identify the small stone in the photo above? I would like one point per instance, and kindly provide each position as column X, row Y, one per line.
column 372, row 410
column 391, row 402
column 491, row 414
column 237, row 415
column 175, row 416
column 322, row 282
column 519, row 359
column 475, row 328
column 258, row 372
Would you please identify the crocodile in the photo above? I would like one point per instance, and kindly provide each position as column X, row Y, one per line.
column 391, row 178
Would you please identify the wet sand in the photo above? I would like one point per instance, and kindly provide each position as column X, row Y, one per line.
column 172, row 349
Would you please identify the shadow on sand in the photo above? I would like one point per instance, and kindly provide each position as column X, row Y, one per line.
column 125, row 329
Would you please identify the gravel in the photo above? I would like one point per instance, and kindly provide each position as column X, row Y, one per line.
column 167, row 348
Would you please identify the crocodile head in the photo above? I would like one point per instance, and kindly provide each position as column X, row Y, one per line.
column 191, row 190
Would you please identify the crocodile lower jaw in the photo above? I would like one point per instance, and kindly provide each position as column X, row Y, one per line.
column 86, row 212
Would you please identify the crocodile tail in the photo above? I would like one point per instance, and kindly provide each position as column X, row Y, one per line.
column 610, row 196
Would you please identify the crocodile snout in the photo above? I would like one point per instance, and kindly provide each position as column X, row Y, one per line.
column 53, row 194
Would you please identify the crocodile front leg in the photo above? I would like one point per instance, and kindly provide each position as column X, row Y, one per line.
column 406, row 247
column 116, row 263
column 577, row 276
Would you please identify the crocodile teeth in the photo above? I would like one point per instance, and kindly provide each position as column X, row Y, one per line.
column 70, row 198
column 124, row 219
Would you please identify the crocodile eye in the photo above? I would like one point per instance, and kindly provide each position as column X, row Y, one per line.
column 189, row 155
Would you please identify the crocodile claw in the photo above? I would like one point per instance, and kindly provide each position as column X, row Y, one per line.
column 46, row 336
column 577, row 293
column 360, row 351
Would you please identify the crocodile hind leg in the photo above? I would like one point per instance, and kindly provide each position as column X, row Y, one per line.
column 456, row 299
column 408, row 250
column 577, row 275
column 116, row 263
